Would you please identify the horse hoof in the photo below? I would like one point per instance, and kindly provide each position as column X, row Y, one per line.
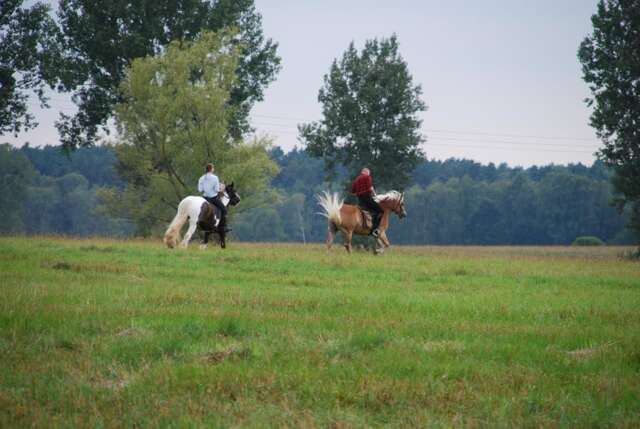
column 203, row 247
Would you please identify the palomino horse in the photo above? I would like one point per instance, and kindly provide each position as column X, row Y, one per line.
column 201, row 214
column 349, row 219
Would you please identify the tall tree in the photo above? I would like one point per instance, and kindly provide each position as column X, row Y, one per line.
column 102, row 38
column 27, row 48
column 370, row 107
column 610, row 59
column 173, row 121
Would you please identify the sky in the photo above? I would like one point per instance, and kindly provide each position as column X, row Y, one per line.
column 501, row 78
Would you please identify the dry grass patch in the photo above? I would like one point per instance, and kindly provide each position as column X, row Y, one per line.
column 590, row 352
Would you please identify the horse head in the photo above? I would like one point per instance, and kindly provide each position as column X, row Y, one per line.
column 234, row 197
column 394, row 201
column 402, row 213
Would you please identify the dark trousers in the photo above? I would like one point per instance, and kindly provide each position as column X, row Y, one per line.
column 223, row 210
column 368, row 203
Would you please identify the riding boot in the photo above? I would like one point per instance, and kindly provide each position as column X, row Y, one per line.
column 376, row 218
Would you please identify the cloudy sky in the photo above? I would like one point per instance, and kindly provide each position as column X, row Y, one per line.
column 501, row 78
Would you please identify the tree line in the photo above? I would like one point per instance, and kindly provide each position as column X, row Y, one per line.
column 455, row 201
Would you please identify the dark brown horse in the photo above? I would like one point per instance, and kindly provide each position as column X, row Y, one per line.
column 349, row 219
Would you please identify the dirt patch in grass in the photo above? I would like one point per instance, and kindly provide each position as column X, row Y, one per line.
column 66, row 344
column 93, row 267
column 439, row 346
column 108, row 249
column 589, row 352
column 113, row 379
column 134, row 332
column 231, row 353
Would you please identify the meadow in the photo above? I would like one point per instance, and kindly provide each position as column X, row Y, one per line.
column 106, row 333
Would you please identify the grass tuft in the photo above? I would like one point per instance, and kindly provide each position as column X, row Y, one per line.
column 230, row 327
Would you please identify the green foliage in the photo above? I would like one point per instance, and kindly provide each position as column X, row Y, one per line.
column 512, row 210
column 611, row 67
column 587, row 241
column 16, row 174
column 36, row 204
column 68, row 205
column 107, row 333
column 370, row 108
column 102, row 39
column 27, row 49
column 453, row 201
column 96, row 164
column 456, row 202
column 173, row 120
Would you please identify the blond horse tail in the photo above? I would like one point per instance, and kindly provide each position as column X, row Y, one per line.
column 172, row 236
column 331, row 205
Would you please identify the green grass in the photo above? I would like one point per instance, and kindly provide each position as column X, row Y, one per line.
column 99, row 333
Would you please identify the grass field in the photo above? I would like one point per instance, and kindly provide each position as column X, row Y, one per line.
column 99, row 333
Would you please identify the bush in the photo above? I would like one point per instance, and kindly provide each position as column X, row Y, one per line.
column 587, row 241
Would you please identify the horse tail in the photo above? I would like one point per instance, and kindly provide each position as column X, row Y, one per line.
column 331, row 205
column 172, row 236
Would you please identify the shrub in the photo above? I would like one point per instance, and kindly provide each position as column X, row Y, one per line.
column 587, row 241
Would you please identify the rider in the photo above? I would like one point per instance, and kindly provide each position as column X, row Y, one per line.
column 209, row 186
column 362, row 187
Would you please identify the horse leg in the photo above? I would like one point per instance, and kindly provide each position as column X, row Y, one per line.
column 204, row 245
column 223, row 237
column 193, row 223
column 348, row 235
column 384, row 239
column 379, row 246
column 332, row 230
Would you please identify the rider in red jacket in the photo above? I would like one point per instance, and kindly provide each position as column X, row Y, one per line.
column 362, row 187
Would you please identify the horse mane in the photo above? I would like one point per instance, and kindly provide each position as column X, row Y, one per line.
column 391, row 195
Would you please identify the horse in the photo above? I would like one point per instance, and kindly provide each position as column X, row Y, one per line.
column 350, row 219
column 201, row 214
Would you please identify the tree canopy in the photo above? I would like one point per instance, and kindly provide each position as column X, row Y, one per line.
column 173, row 120
column 610, row 59
column 370, row 112
column 101, row 39
column 27, row 51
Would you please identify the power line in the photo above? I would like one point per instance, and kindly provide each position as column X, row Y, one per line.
column 511, row 142
column 523, row 149
column 440, row 138
column 433, row 140
column 446, row 131
column 511, row 135
column 505, row 148
column 291, row 118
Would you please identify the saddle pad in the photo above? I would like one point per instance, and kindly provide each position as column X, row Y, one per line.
column 367, row 221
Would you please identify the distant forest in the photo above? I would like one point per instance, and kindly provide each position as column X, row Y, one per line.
column 457, row 201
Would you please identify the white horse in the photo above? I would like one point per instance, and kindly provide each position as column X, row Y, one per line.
column 199, row 212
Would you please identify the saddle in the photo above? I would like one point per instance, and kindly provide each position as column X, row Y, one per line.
column 367, row 219
column 209, row 217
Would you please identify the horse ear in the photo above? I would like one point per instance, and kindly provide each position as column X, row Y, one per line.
column 231, row 185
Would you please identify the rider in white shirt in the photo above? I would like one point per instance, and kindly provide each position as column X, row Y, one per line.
column 209, row 186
